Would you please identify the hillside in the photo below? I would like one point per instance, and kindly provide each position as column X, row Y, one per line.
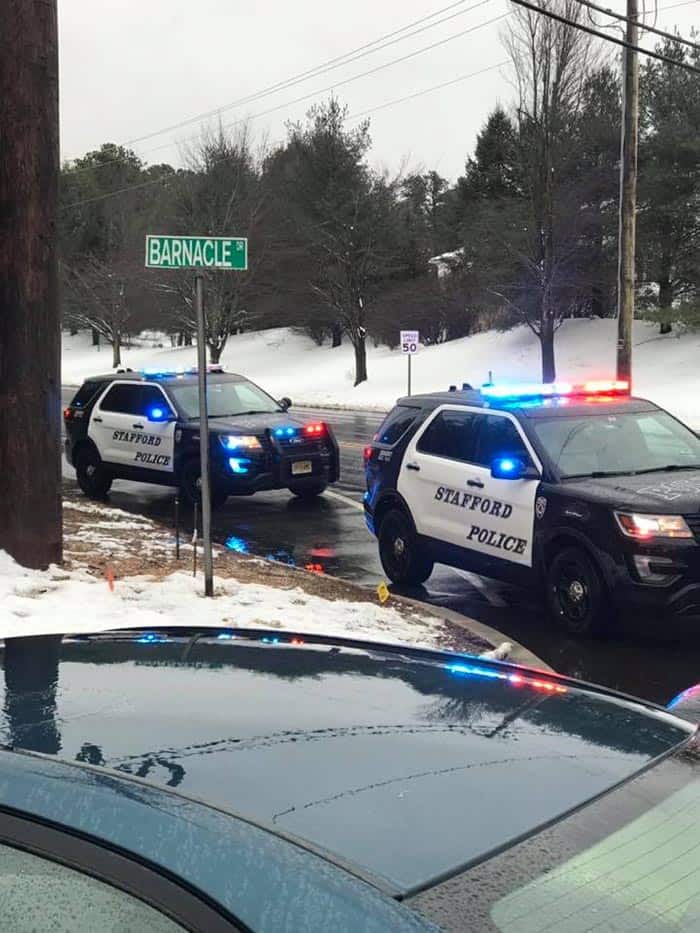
column 667, row 368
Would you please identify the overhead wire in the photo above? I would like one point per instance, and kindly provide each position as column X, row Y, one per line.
column 589, row 4
column 550, row 14
column 312, row 94
column 340, row 61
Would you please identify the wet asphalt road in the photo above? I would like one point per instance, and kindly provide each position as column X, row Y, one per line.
column 329, row 535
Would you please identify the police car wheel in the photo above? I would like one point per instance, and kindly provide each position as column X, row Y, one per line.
column 308, row 492
column 191, row 486
column 575, row 593
column 91, row 474
column 403, row 558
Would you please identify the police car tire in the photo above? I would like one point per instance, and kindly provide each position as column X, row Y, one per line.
column 584, row 611
column 308, row 492
column 91, row 473
column 411, row 564
column 189, row 491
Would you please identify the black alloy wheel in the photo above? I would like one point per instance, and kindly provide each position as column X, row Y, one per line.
column 575, row 593
column 404, row 559
column 93, row 477
column 191, row 486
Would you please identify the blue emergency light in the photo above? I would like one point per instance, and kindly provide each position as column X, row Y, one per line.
column 529, row 390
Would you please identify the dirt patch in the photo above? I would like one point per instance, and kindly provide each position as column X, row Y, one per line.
column 110, row 543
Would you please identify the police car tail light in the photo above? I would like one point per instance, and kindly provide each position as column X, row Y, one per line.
column 67, row 414
column 644, row 527
column 314, row 430
column 367, row 454
column 240, row 442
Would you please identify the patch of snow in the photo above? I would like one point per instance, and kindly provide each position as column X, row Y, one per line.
column 47, row 602
column 287, row 363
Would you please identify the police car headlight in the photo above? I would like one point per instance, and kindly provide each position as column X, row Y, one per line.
column 643, row 527
column 239, row 442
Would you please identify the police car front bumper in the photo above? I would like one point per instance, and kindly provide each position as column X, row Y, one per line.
column 659, row 580
column 276, row 471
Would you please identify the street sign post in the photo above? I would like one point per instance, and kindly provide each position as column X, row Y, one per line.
column 199, row 253
column 409, row 345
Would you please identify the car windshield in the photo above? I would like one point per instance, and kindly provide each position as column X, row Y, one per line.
column 225, row 399
column 630, row 861
column 627, row 442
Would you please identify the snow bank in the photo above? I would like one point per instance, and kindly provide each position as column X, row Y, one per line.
column 55, row 601
column 667, row 368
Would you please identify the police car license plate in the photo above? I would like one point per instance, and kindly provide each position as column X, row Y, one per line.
column 301, row 466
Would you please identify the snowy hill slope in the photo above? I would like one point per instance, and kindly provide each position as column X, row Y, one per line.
column 667, row 368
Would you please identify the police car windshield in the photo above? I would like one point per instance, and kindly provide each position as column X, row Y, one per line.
column 225, row 399
column 617, row 444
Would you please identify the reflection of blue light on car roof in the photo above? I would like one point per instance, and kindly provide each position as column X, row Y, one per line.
column 476, row 670
column 237, row 544
column 150, row 638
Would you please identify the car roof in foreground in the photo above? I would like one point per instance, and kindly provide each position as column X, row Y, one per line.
column 535, row 408
column 359, row 749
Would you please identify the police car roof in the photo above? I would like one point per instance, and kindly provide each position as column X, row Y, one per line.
column 165, row 378
column 533, row 408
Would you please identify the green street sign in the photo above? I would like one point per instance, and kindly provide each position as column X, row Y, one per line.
column 196, row 252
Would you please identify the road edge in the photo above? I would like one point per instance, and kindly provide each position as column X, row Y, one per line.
column 519, row 653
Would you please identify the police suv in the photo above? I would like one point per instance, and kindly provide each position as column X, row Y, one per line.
column 584, row 490
column 145, row 427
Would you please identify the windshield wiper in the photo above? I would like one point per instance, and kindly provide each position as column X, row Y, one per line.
column 670, row 467
column 599, row 474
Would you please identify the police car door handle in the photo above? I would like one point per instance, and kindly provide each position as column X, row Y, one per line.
column 97, row 419
column 137, row 425
column 475, row 482
column 413, row 466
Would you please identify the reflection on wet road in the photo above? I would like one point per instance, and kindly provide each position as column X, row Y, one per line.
column 329, row 536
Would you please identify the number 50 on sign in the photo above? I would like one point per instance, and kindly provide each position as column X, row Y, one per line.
column 409, row 341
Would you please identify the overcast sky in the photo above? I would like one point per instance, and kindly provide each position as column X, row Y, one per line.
column 131, row 68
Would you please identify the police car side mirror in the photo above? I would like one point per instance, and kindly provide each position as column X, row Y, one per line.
column 159, row 414
column 285, row 403
column 513, row 468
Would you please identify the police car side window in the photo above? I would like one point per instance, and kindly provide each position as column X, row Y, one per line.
column 450, row 434
column 124, row 399
column 153, row 396
column 396, row 423
column 498, row 437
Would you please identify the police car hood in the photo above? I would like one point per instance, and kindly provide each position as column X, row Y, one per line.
column 673, row 493
column 407, row 765
column 254, row 424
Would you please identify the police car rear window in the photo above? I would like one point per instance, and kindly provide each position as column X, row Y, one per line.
column 396, row 423
column 85, row 394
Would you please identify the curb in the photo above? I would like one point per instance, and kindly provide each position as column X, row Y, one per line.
column 518, row 654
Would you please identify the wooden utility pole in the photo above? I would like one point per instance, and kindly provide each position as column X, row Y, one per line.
column 30, row 458
column 628, row 197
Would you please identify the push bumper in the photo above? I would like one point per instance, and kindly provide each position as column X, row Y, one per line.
column 678, row 594
column 276, row 470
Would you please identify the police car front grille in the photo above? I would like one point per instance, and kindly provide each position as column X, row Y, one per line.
column 694, row 524
column 305, row 447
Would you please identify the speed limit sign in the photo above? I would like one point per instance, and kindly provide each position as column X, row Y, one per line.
column 409, row 341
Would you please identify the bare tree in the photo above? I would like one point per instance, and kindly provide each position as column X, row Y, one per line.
column 219, row 195
column 552, row 61
column 99, row 299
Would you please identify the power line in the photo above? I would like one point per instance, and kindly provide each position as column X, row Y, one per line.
column 623, row 19
column 311, row 94
column 332, row 64
column 550, row 14
column 674, row 6
column 428, row 90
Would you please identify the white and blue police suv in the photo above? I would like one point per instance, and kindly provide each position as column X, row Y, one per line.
column 583, row 490
column 145, row 427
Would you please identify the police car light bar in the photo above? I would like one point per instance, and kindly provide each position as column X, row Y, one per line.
column 555, row 389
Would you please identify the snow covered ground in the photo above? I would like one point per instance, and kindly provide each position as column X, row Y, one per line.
column 57, row 601
column 667, row 368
